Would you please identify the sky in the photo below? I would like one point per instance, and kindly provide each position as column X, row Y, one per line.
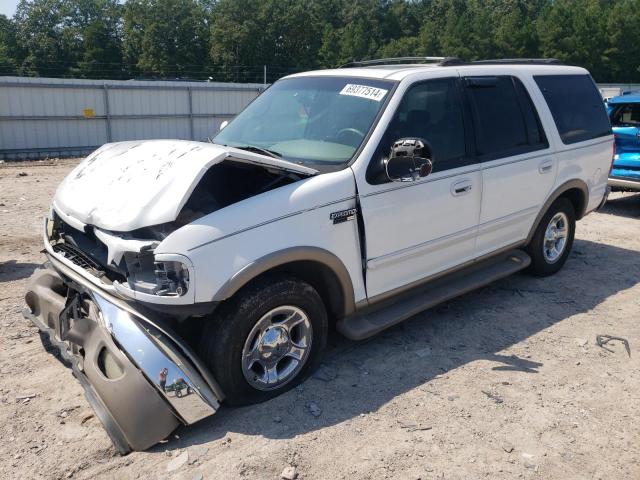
column 8, row 7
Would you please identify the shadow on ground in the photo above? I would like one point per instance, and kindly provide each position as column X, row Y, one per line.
column 627, row 205
column 361, row 377
column 13, row 270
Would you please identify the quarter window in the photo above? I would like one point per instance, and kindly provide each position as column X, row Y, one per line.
column 505, row 120
column 576, row 106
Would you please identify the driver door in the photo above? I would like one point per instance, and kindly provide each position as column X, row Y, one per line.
column 414, row 230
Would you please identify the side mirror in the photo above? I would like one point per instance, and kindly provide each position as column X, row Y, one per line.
column 224, row 124
column 409, row 160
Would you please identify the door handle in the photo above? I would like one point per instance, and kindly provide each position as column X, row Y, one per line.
column 460, row 188
column 546, row 166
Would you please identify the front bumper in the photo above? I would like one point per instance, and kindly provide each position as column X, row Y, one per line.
column 117, row 354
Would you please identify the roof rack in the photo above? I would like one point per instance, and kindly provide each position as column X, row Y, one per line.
column 451, row 61
column 517, row 61
column 405, row 60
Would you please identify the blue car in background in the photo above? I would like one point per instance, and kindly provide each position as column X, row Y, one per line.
column 624, row 113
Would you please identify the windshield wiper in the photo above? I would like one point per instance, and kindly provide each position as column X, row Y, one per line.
column 264, row 151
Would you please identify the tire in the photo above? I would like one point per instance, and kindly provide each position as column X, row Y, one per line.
column 547, row 261
column 265, row 307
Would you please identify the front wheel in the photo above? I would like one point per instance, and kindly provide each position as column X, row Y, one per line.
column 266, row 339
column 552, row 241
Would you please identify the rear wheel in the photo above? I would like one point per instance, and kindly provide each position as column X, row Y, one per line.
column 553, row 238
column 266, row 339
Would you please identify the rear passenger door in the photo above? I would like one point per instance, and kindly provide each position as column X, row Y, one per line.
column 518, row 168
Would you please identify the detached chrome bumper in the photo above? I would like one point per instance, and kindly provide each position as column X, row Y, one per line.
column 118, row 355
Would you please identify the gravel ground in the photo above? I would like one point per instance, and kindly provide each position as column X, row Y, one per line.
column 506, row 382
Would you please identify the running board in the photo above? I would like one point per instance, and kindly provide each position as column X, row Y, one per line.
column 390, row 312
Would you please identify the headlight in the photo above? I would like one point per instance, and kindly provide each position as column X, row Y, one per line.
column 172, row 278
column 166, row 278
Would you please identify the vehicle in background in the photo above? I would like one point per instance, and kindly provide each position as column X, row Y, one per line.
column 624, row 113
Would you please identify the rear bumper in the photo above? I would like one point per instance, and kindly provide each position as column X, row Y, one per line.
column 117, row 354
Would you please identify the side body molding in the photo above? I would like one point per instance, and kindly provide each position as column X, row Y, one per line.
column 557, row 193
column 287, row 256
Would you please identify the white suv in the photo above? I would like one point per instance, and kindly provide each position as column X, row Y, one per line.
column 181, row 274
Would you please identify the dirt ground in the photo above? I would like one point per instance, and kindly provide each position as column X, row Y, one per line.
column 506, row 382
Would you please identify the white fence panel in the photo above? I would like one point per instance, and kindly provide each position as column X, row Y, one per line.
column 42, row 117
column 608, row 90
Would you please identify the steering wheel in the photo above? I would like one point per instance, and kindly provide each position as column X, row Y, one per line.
column 350, row 131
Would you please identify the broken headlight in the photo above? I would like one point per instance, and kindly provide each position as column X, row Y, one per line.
column 146, row 274
column 172, row 278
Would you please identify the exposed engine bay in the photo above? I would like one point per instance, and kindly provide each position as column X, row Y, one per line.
column 224, row 184
column 127, row 257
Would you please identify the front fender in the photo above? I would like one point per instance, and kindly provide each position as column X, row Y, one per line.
column 294, row 223
column 289, row 255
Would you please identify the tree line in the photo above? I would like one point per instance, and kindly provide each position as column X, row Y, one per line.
column 232, row 39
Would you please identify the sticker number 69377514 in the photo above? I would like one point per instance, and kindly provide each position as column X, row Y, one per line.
column 363, row 91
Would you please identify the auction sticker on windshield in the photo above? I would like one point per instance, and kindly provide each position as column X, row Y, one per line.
column 363, row 91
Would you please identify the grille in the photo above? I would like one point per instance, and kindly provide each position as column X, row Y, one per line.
column 78, row 257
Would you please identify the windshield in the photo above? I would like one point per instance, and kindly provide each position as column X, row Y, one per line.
column 315, row 121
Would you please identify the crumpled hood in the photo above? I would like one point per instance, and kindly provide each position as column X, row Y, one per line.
column 129, row 185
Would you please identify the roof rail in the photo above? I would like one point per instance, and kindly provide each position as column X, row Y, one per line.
column 451, row 61
column 407, row 60
column 518, row 61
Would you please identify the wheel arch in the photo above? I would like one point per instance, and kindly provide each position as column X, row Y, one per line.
column 320, row 268
column 576, row 191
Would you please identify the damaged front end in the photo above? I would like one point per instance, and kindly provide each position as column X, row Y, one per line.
column 123, row 265
column 140, row 379
column 113, row 303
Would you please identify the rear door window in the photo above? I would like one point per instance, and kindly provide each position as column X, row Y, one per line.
column 576, row 106
column 505, row 120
